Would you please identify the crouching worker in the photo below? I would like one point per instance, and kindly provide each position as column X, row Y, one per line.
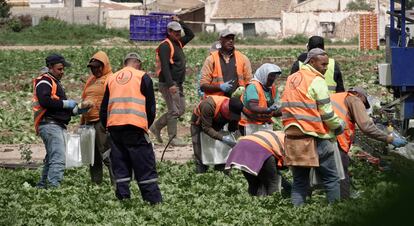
column 127, row 110
column 259, row 156
column 210, row 116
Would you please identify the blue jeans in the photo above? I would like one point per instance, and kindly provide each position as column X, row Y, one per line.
column 326, row 170
column 54, row 161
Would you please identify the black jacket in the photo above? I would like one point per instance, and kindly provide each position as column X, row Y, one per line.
column 54, row 108
column 337, row 72
column 171, row 73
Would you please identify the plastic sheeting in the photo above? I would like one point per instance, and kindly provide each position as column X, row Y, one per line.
column 80, row 147
column 73, row 151
column 213, row 152
column 252, row 128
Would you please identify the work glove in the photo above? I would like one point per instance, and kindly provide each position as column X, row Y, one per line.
column 340, row 129
column 228, row 139
column 399, row 142
column 69, row 104
column 227, row 86
column 272, row 108
column 78, row 111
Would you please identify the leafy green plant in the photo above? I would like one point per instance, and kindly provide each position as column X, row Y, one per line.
column 4, row 9
column 25, row 152
column 357, row 5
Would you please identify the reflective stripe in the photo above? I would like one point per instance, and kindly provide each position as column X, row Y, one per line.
column 339, row 108
column 148, row 181
column 123, row 180
column 128, row 111
column 276, row 139
column 263, row 139
column 217, row 79
column 332, row 88
column 323, row 101
column 126, row 100
column 35, row 103
column 328, row 116
column 301, row 117
column 299, row 105
column 43, row 81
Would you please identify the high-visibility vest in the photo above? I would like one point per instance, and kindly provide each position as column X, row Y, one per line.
column 217, row 75
column 329, row 75
column 38, row 110
column 157, row 56
column 218, row 100
column 273, row 141
column 126, row 104
column 340, row 109
column 297, row 107
column 249, row 117
column 94, row 91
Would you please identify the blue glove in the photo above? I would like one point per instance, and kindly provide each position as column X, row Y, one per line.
column 272, row 108
column 78, row 111
column 69, row 104
column 227, row 86
column 228, row 140
column 399, row 142
column 340, row 129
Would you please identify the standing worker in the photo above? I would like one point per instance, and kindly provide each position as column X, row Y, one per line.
column 259, row 97
column 310, row 123
column 225, row 69
column 351, row 107
column 93, row 92
column 333, row 75
column 260, row 157
column 52, row 113
column 210, row 116
column 127, row 110
column 171, row 71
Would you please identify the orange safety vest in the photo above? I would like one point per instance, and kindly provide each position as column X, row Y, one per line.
column 218, row 100
column 38, row 110
column 297, row 107
column 273, row 141
column 251, row 117
column 340, row 109
column 157, row 57
column 126, row 104
column 217, row 76
column 94, row 91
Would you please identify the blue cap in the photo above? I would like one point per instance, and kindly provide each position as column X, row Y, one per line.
column 55, row 58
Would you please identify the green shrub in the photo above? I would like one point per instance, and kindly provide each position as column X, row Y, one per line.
column 358, row 5
column 4, row 9
column 15, row 24
column 297, row 39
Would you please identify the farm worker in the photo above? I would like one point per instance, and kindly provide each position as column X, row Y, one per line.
column 225, row 69
column 260, row 157
column 351, row 107
column 52, row 113
column 210, row 116
column 310, row 123
column 216, row 45
column 93, row 92
column 259, row 96
column 127, row 110
column 171, row 64
column 333, row 75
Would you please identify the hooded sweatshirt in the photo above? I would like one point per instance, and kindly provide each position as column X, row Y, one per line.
column 95, row 88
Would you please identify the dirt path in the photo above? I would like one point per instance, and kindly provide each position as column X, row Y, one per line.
column 10, row 154
column 60, row 47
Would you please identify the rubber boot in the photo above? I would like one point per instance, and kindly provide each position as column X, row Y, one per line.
column 156, row 132
column 172, row 132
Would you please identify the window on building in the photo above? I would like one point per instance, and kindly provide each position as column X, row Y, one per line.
column 78, row 3
column 328, row 28
column 249, row 29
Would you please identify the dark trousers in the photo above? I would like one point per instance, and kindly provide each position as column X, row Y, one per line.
column 345, row 184
column 102, row 149
column 132, row 152
column 265, row 183
column 196, row 140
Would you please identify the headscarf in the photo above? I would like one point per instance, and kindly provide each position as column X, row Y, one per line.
column 263, row 72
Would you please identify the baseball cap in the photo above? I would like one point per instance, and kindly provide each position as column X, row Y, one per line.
column 235, row 107
column 174, row 25
column 362, row 92
column 313, row 53
column 95, row 63
column 55, row 58
column 316, row 42
column 226, row 32
column 132, row 55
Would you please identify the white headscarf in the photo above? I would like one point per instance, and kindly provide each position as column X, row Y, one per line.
column 263, row 72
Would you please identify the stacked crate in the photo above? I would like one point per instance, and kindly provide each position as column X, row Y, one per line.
column 368, row 32
column 149, row 28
